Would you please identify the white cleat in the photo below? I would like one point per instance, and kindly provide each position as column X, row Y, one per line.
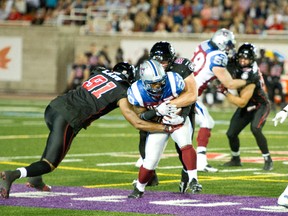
column 208, row 168
column 283, row 198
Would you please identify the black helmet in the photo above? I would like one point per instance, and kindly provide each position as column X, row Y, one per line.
column 162, row 51
column 247, row 50
column 126, row 70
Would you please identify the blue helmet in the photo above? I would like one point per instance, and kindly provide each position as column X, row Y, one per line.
column 152, row 72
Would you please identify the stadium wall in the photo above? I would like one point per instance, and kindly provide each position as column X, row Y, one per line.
column 47, row 52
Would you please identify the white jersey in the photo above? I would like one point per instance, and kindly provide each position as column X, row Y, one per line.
column 205, row 57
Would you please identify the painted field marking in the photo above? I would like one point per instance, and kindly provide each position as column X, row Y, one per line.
column 263, row 178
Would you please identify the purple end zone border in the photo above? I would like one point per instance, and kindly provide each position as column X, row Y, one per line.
column 156, row 202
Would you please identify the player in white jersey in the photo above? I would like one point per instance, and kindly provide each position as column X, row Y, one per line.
column 155, row 87
column 210, row 59
column 280, row 117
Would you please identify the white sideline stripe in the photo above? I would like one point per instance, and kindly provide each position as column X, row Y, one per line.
column 71, row 160
column 6, row 137
column 132, row 153
column 239, row 170
column 133, row 163
column 116, row 164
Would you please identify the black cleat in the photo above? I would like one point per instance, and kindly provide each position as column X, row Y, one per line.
column 268, row 165
column 183, row 187
column 7, row 179
column 235, row 161
column 195, row 186
column 136, row 194
column 38, row 184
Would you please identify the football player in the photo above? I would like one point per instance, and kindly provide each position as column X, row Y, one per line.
column 67, row 114
column 155, row 88
column 253, row 106
column 164, row 53
column 210, row 61
column 280, row 117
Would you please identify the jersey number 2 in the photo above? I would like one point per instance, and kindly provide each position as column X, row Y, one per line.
column 92, row 85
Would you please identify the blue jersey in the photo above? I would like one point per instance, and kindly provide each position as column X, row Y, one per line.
column 138, row 96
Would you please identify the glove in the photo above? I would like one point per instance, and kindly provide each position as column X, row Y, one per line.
column 165, row 108
column 222, row 89
column 173, row 120
column 171, row 128
column 253, row 78
column 280, row 116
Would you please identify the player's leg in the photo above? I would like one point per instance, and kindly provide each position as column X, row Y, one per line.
column 182, row 137
column 257, row 124
column 155, row 146
column 237, row 123
column 206, row 123
column 52, row 155
column 142, row 143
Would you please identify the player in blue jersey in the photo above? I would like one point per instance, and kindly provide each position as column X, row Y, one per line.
column 155, row 89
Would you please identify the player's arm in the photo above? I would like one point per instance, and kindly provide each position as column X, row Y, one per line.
column 244, row 96
column 225, row 78
column 130, row 115
column 189, row 94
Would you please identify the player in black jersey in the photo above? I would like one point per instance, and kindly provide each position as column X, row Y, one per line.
column 253, row 105
column 67, row 114
column 164, row 53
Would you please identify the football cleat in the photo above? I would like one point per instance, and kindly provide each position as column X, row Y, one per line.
column 136, row 194
column 235, row 161
column 183, row 187
column 283, row 198
column 268, row 165
column 38, row 184
column 7, row 179
column 208, row 168
column 195, row 186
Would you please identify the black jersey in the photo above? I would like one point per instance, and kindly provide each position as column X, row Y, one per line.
column 96, row 97
column 184, row 67
column 259, row 95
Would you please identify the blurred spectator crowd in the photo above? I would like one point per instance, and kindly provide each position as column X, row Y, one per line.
column 161, row 16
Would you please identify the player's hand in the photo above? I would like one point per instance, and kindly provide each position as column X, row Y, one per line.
column 222, row 89
column 166, row 108
column 173, row 120
column 280, row 117
column 172, row 128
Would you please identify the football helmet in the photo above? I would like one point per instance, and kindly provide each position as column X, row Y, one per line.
column 153, row 77
column 248, row 51
column 163, row 51
column 126, row 71
column 224, row 40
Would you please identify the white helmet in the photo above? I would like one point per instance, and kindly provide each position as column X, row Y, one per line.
column 224, row 40
column 152, row 72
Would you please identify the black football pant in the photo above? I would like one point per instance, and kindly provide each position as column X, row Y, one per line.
column 240, row 119
column 57, row 145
